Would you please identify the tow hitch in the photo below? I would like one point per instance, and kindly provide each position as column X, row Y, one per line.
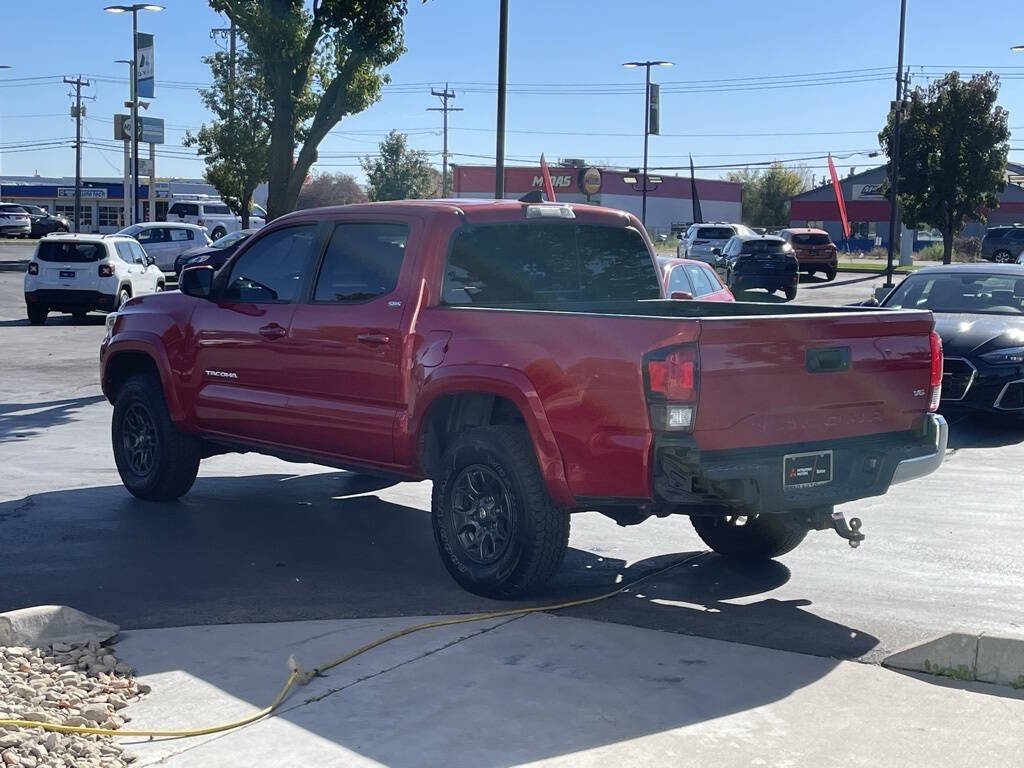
column 823, row 518
column 849, row 532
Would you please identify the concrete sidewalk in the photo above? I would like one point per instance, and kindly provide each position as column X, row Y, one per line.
column 554, row 690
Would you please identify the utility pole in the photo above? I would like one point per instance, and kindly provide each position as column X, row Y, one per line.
column 232, row 34
column 499, row 150
column 894, row 185
column 77, row 113
column 444, row 96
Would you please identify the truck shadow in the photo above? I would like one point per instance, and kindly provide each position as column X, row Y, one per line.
column 281, row 548
column 981, row 430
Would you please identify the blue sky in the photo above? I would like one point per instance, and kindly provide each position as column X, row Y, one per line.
column 569, row 95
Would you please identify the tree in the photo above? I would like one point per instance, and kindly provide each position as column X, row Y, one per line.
column 953, row 147
column 318, row 65
column 399, row 173
column 330, row 189
column 766, row 193
column 235, row 143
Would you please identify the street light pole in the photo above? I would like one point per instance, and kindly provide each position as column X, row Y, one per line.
column 647, row 124
column 134, row 10
column 894, row 187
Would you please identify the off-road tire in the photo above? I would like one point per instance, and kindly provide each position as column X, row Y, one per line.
column 176, row 454
column 539, row 529
column 762, row 537
column 37, row 313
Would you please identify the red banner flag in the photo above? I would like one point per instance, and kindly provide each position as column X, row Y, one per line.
column 549, row 190
column 839, row 197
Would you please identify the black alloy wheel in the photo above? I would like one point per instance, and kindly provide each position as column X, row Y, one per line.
column 482, row 514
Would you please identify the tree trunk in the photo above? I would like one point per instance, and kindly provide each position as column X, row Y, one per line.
column 246, row 206
column 282, row 145
column 947, row 247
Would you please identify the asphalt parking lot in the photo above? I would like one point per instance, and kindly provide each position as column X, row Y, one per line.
column 262, row 540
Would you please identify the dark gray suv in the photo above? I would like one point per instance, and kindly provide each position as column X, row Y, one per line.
column 1003, row 244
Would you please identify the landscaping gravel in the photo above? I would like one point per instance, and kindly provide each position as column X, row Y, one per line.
column 66, row 684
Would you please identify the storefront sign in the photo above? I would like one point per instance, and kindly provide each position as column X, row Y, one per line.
column 88, row 193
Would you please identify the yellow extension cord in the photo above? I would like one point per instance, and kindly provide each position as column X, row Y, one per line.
column 297, row 675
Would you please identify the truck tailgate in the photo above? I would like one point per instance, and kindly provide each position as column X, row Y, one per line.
column 800, row 379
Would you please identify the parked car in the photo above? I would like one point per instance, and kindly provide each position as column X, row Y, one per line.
column 165, row 242
column 14, row 220
column 77, row 273
column 979, row 313
column 214, row 254
column 688, row 279
column 754, row 261
column 213, row 215
column 521, row 356
column 814, row 250
column 701, row 239
column 43, row 222
column 1002, row 243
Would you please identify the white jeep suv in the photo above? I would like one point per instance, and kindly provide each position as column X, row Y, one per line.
column 77, row 273
column 212, row 215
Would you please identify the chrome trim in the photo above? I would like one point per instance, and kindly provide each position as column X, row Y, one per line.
column 1002, row 392
column 970, row 381
column 919, row 466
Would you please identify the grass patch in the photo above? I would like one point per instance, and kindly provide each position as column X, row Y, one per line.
column 959, row 672
column 1018, row 683
column 880, row 268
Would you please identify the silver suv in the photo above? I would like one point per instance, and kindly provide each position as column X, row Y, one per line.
column 701, row 238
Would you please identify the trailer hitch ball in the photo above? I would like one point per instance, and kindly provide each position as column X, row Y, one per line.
column 849, row 532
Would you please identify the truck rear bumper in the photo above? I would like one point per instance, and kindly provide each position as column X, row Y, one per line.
column 752, row 479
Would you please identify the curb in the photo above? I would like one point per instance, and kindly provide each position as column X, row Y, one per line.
column 997, row 659
column 44, row 625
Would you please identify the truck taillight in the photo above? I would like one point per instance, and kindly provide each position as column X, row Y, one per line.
column 33, row 268
column 106, row 270
column 671, row 378
column 935, row 379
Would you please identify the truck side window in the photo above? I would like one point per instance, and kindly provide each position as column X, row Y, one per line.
column 362, row 261
column 273, row 267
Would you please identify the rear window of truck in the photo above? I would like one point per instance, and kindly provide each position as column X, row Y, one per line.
column 70, row 252
column 548, row 261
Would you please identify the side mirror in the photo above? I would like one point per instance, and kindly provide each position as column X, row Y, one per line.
column 681, row 295
column 197, row 281
column 716, row 251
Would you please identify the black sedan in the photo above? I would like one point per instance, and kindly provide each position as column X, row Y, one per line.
column 979, row 313
column 44, row 222
column 212, row 255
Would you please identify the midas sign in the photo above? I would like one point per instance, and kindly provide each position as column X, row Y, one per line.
column 556, row 181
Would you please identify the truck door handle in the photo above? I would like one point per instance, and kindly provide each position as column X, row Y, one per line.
column 273, row 331
column 373, row 338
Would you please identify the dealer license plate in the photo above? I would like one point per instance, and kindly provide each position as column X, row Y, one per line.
column 802, row 470
column 67, row 274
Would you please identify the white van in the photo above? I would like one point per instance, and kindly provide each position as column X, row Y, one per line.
column 210, row 213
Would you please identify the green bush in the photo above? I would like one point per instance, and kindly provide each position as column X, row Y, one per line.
column 966, row 250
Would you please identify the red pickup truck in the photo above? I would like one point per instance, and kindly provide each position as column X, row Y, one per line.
column 522, row 357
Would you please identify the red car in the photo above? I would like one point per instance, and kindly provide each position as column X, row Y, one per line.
column 689, row 279
column 814, row 250
column 522, row 357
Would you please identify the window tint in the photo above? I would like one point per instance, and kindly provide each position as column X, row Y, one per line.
column 273, row 267
column 229, row 240
column 216, row 209
column 138, row 253
column 153, row 235
column 677, row 281
column 184, row 209
column 124, row 251
column 12, row 209
column 548, row 261
column 763, row 246
column 714, row 233
column 362, row 261
column 701, row 282
column 995, row 294
column 810, row 238
column 177, row 234
column 1015, row 234
column 55, row 250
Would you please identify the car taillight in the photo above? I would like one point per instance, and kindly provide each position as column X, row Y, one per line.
column 106, row 270
column 671, row 379
column 935, row 379
column 33, row 268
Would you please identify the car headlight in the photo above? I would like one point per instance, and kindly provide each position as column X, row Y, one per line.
column 1008, row 356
